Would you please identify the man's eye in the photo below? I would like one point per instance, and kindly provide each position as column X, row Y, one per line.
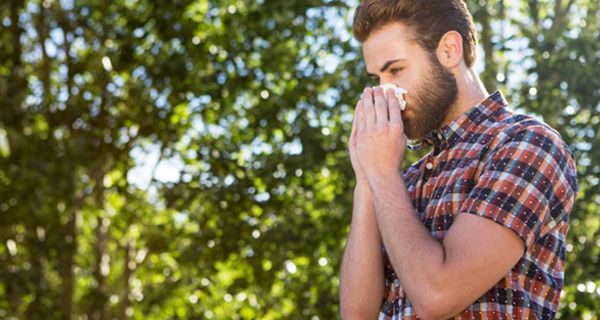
column 375, row 79
column 395, row 70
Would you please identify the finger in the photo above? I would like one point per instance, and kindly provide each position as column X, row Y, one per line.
column 355, row 121
column 381, row 113
column 359, row 118
column 394, row 107
column 369, row 108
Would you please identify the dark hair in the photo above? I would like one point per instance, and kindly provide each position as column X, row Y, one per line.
column 429, row 19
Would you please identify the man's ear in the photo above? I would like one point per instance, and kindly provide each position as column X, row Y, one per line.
column 450, row 50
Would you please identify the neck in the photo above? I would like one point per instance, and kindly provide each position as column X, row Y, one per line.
column 471, row 91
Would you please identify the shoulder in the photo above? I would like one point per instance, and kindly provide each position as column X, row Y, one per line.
column 527, row 130
column 528, row 143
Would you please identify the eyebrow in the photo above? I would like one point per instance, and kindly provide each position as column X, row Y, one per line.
column 386, row 65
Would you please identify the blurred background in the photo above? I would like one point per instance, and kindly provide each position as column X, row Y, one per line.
column 187, row 159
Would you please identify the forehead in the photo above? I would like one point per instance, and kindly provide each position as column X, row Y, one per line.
column 392, row 41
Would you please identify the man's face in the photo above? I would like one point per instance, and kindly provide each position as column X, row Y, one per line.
column 392, row 56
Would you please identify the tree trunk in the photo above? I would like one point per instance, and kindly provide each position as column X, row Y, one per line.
column 100, row 308
column 70, row 228
column 11, row 116
column 128, row 269
column 66, row 269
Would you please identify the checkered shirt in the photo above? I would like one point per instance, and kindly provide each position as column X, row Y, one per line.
column 512, row 169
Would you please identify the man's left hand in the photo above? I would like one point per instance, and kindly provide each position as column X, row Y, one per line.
column 380, row 138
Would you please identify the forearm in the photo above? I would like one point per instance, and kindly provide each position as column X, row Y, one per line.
column 361, row 275
column 416, row 256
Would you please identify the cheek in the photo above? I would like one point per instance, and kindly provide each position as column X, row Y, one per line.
column 421, row 86
column 410, row 82
column 413, row 93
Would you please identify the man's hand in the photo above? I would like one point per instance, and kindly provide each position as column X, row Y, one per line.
column 380, row 140
column 361, row 276
column 361, row 178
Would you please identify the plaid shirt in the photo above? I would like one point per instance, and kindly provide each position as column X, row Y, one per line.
column 509, row 168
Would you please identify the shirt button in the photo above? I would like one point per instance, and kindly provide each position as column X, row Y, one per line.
column 429, row 166
column 440, row 136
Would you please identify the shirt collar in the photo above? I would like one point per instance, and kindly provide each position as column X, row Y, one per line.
column 453, row 132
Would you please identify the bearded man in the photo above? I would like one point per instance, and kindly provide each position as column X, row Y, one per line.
column 476, row 229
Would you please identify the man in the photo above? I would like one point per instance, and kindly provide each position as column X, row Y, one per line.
column 476, row 229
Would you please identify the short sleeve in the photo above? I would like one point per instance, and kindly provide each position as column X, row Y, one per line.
column 527, row 184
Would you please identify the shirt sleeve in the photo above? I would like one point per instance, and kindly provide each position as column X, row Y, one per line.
column 528, row 184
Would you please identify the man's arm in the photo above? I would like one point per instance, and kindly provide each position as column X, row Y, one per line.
column 441, row 279
column 527, row 186
column 531, row 167
column 361, row 276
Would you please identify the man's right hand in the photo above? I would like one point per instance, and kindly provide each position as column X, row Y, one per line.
column 362, row 282
column 361, row 178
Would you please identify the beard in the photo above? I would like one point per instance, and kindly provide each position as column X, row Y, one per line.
column 433, row 99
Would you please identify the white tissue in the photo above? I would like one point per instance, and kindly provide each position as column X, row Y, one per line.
column 399, row 94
